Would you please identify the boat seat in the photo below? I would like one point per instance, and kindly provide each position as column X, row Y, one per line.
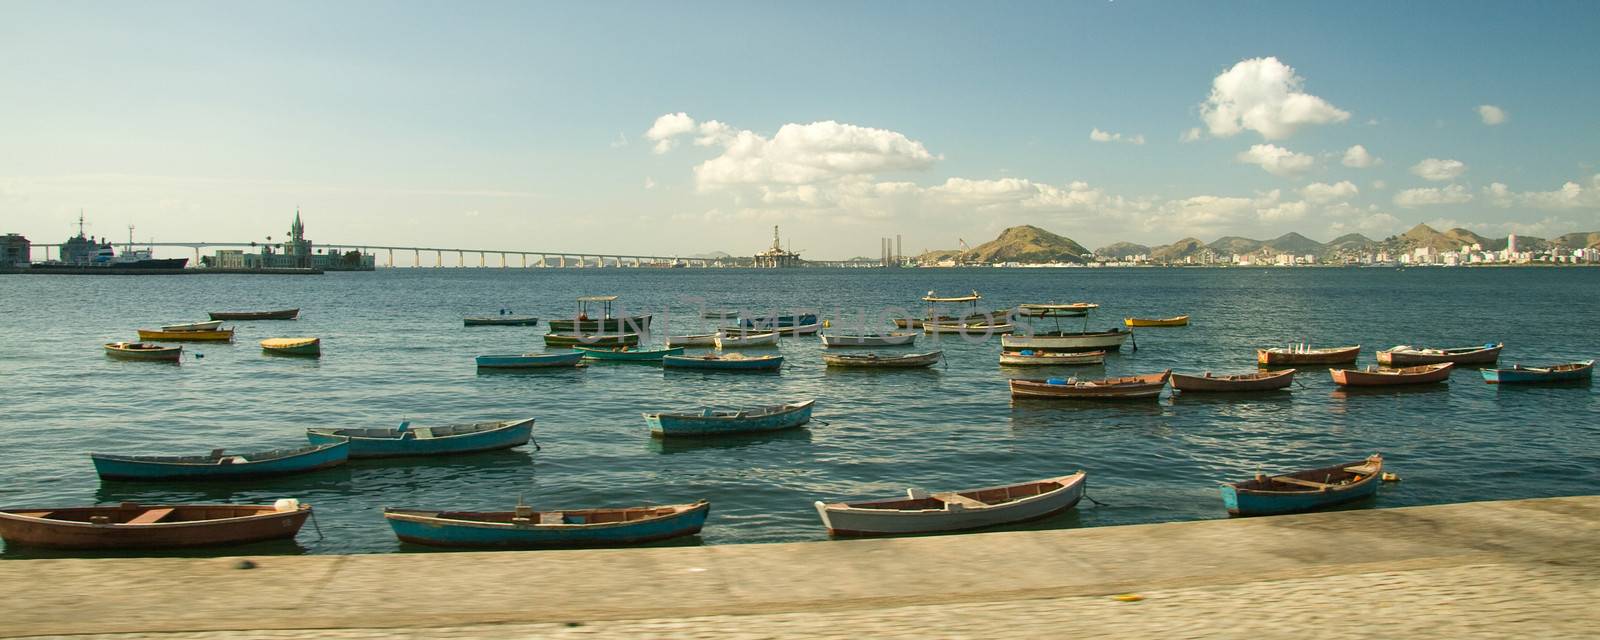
column 956, row 498
column 152, row 516
column 552, row 517
column 1303, row 483
column 1363, row 470
column 422, row 433
column 32, row 514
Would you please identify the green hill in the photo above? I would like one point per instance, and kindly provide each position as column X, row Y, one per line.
column 1027, row 244
column 1121, row 249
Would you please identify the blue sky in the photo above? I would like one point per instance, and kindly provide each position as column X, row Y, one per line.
column 524, row 126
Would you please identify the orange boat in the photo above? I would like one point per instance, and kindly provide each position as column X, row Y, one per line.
column 1375, row 377
column 1303, row 354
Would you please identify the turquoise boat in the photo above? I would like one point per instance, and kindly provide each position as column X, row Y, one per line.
column 710, row 422
column 725, row 362
column 1304, row 490
column 779, row 322
column 1570, row 372
column 221, row 466
column 624, row 354
column 525, row 528
column 428, row 441
column 530, row 360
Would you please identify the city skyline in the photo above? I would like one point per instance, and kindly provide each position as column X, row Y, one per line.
column 582, row 129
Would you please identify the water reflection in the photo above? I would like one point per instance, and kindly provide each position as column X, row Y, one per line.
column 798, row 436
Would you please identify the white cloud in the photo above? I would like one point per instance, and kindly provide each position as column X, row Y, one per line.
column 668, row 127
column 649, row 182
column 1439, row 170
column 1356, row 157
column 1322, row 193
column 620, row 141
column 713, row 132
column 1453, row 194
column 1277, row 160
column 1263, row 95
column 1379, row 185
column 1105, row 136
column 1492, row 115
column 1347, row 218
column 1191, row 135
column 809, row 153
column 1570, row 196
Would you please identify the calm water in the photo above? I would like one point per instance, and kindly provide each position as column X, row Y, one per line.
column 394, row 349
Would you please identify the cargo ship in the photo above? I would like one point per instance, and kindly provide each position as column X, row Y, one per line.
column 81, row 253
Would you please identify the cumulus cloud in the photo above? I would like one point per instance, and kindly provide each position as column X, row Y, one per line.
column 1106, row 136
column 1321, row 193
column 1356, row 157
column 1265, row 96
column 1439, row 170
column 809, row 153
column 1191, row 135
column 1492, row 115
column 1570, row 196
column 1412, row 198
column 668, row 127
column 1371, row 220
column 1277, row 160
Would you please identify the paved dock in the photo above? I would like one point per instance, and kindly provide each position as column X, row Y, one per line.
column 1523, row 568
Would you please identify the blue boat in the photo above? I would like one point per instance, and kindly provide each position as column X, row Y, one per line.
column 407, row 440
column 625, row 354
column 525, row 528
column 778, row 322
column 1304, row 490
column 221, row 466
column 709, row 422
column 530, row 360
column 724, row 362
column 1570, row 372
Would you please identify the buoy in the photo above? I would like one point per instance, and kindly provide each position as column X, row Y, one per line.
column 827, row 323
column 1391, row 477
column 1127, row 597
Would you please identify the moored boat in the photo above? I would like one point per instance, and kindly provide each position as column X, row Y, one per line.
column 723, row 362
column 221, row 466
column 1518, row 374
column 284, row 314
column 1175, row 321
column 625, row 354
column 219, row 335
column 731, row 339
column 711, row 422
column 529, row 360
column 193, row 326
column 873, row 360
column 1304, row 490
column 1056, row 310
column 606, row 323
column 1253, row 381
column 1376, row 377
column 143, row 351
column 923, row 512
column 1032, row 358
column 719, row 314
column 968, row 328
column 1405, row 355
column 135, row 526
column 590, row 339
column 771, row 322
column 407, row 440
column 502, row 320
column 525, row 528
column 693, row 340
column 891, row 339
column 293, row 346
column 1110, row 340
column 799, row 329
column 1126, row 387
column 1305, row 354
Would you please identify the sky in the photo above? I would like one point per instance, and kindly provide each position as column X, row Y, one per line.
column 677, row 129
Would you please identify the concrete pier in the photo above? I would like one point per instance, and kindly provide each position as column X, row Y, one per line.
column 1524, row 568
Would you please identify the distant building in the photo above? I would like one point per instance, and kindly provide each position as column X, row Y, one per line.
column 1511, row 244
column 295, row 253
column 776, row 257
column 14, row 250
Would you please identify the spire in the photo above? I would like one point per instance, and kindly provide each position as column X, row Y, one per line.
column 297, row 230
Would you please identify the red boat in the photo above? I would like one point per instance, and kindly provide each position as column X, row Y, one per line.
column 1262, row 381
column 1404, row 355
column 1375, row 377
column 135, row 526
column 1146, row 386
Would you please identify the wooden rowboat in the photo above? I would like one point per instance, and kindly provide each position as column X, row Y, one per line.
column 221, row 466
column 625, row 354
column 285, row 314
column 1128, row 387
column 500, row 321
column 769, row 323
column 1303, row 354
column 1405, row 355
column 525, row 528
column 293, row 346
column 582, row 322
column 134, row 526
column 693, row 340
column 407, row 441
column 530, row 360
column 590, row 339
column 733, row 339
column 904, row 361
column 220, row 335
column 1110, row 340
column 1256, row 381
column 1572, row 371
column 1032, row 358
column 1054, row 310
column 193, row 326
column 710, row 422
column 1304, row 490
column 724, row 362
column 143, row 351
column 800, row 330
column 1375, row 377
column 1175, row 321
column 719, row 314
column 923, row 512
column 983, row 329
column 891, row 339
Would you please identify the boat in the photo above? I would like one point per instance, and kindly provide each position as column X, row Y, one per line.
column 193, row 326
column 711, row 422
column 406, row 440
column 798, row 330
column 968, row 328
column 143, row 351
column 898, row 361
column 1110, row 340
column 131, row 525
column 293, row 346
column 1376, row 377
column 220, row 335
column 1175, row 321
column 1405, row 355
column 1304, row 354
column 1304, row 490
column 584, row 323
column 284, row 314
column 590, row 339
column 624, row 354
column 1145, row 386
column 719, row 314
column 923, row 512
column 220, row 465
column 693, row 340
column 524, row 528
column 502, row 320
column 530, row 360
column 85, row 254
column 1519, row 374
column 1032, row 358
column 779, row 321
column 1254, row 381
column 735, row 339
column 891, row 339
column 976, row 316
column 1054, row 310
column 723, row 362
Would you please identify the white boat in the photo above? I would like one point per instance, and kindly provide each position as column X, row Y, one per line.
column 1031, row 358
column 1066, row 340
column 968, row 328
column 873, row 360
column 923, row 512
column 892, row 339
column 193, row 326
column 694, row 340
column 801, row 330
column 735, row 339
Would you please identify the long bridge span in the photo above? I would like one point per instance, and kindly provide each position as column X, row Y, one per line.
column 506, row 258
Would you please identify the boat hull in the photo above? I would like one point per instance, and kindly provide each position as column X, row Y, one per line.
column 1341, row 355
column 590, row 353
column 1241, row 499
column 1576, row 372
column 393, row 443
column 1176, row 321
column 319, row 456
column 633, row 324
column 726, row 340
column 889, row 340
column 1425, row 374
column 529, row 361
column 700, row 340
column 966, row 329
column 500, row 321
column 766, row 363
column 779, row 322
column 1414, row 357
column 1066, row 341
column 224, row 525
column 193, row 326
column 1207, row 383
column 293, row 346
column 125, row 351
column 874, row 361
column 420, row 527
column 591, row 339
column 1051, row 358
column 841, row 519
column 225, row 335
column 673, row 425
column 285, row 314
column 1129, row 388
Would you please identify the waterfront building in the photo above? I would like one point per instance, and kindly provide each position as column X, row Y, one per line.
column 14, row 250
column 295, row 253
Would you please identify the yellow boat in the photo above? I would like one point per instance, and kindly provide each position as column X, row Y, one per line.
column 220, row 335
column 1176, row 321
column 293, row 346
